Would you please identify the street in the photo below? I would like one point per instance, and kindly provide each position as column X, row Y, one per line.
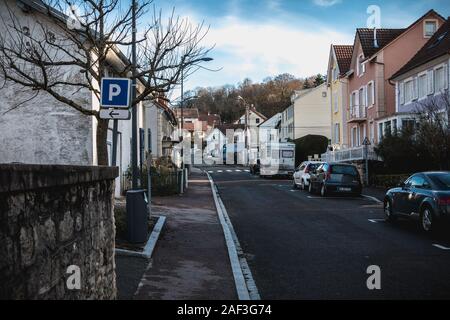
column 300, row 246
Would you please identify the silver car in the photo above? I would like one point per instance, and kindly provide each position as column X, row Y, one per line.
column 301, row 177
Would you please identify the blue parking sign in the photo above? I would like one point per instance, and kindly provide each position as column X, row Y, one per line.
column 115, row 93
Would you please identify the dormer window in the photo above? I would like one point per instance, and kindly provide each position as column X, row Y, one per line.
column 430, row 28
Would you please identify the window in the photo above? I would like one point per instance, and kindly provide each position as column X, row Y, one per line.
column 387, row 128
column 26, row 31
column 361, row 66
column 430, row 28
column 337, row 133
column 361, row 97
column 409, row 91
column 335, row 103
column 380, row 131
column 440, row 82
column 394, row 126
column 417, row 182
column 335, row 75
column 423, row 86
column 258, row 120
column 287, row 154
column 370, row 94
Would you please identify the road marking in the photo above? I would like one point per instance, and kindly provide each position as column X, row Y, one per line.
column 247, row 170
column 347, row 198
column 229, row 170
column 372, row 198
column 376, row 220
column 211, row 171
column 238, row 170
column 243, row 278
column 440, row 247
column 219, row 171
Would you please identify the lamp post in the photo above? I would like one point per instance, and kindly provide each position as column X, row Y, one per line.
column 247, row 115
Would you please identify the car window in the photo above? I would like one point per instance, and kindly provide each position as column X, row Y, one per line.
column 417, row 181
column 302, row 167
column 348, row 170
column 314, row 166
column 441, row 180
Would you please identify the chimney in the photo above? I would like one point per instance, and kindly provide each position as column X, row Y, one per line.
column 375, row 40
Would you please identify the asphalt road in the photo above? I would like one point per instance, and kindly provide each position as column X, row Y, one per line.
column 300, row 246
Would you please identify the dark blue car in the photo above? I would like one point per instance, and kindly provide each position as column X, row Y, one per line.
column 424, row 197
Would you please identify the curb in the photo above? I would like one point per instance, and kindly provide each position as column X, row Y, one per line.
column 149, row 246
column 245, row 285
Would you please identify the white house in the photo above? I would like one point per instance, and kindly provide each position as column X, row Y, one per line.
column 45, row 131
column 309, row 114
column 252, row 119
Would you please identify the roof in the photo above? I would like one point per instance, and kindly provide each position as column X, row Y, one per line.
column 224, row 127
column 384, row 37
column 211, row 119
column 437, row 46
column 162, row 104
column 187, row 113
column 343, row 55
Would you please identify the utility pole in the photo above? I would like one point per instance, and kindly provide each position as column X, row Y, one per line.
column 134, row 165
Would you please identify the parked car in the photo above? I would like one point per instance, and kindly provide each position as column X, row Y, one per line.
column 302, row 175
column 424, row 197
column 336, row 178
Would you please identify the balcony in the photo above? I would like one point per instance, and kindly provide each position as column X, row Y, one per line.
column 348, row 155
column 357, row 114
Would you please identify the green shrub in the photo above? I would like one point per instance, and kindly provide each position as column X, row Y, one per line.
column 389, row 180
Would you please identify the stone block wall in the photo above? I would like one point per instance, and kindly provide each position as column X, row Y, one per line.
column 52, row 218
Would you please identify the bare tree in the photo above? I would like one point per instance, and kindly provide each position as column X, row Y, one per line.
column 66, row 52
column 433, row 130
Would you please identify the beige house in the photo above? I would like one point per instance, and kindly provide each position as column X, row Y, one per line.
column 252, row 119
column 309, row 114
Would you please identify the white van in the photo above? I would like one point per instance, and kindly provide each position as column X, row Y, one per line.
column 277, row 159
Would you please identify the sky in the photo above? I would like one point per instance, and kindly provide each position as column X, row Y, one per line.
column 257, row 39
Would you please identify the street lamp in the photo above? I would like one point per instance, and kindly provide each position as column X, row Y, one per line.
column 247, row 147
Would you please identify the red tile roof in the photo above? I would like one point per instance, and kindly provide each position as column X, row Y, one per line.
column 343, row 57
column 437, row 46
column 384, row 37
column 187, row 113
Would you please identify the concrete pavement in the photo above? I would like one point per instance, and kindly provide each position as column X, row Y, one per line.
column 190, row 260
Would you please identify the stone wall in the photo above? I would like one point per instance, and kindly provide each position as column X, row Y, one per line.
column 51, row 218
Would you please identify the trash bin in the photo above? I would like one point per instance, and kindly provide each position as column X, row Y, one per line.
column 137, row 216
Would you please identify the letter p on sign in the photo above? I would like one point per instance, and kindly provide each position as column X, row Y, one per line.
column 115, row 93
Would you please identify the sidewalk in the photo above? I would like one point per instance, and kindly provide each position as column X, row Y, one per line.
column 190, row 260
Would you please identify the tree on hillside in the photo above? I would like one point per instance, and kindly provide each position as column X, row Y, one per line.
column 68, row 54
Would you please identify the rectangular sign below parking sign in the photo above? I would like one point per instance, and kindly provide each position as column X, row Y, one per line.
column 115, row 93
column 115, row 114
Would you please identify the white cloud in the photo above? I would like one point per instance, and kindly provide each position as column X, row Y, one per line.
column 327, row 3
column 271, row 48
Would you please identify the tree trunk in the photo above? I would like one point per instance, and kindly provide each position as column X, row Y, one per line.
column 102, row 145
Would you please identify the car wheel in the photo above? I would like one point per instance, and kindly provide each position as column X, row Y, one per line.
column 294, row 185
column 303, row 185
column 323, row 191
column 389, row 215
column 310, row 188
column 426, row 220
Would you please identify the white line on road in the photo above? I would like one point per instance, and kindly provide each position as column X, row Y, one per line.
column 210, row 171
column 219, row 171
column 376, row 220
column 372, row 198
column 440, row 247
column 229, row 170
column 238, row 170
column 247, row 170
column 243, row 278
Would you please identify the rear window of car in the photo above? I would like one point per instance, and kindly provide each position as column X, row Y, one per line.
column 314, row 166
column 349, row 170
column 442, row 181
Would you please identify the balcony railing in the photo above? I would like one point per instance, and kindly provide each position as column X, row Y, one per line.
column 353, row 154
column 357, row 114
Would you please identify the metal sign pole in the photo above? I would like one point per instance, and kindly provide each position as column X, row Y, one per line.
column 134, row 146
column 114, row 145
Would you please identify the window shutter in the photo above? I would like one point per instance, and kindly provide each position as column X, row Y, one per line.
column 445, row 76
column 373, row 92
column 415, row 88
column 402, row 93
column 431, row 82
column 366, row 96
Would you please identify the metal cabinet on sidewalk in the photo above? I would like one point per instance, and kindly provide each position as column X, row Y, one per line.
column 137, row 216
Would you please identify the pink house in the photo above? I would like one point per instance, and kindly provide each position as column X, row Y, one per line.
column 377, row 55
